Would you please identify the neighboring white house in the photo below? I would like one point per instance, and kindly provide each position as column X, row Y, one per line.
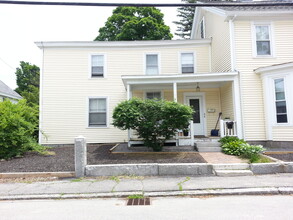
column 8, row 93
column 238, row 62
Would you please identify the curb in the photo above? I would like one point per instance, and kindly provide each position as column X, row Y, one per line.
column 37, row 174
column 205, row 192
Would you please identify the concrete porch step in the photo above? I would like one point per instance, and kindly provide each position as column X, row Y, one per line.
column 231, row 166
column 233, row 173
column 209, row 149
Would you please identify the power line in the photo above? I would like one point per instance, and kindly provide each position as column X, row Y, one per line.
column 6, row 64
column 212, row 4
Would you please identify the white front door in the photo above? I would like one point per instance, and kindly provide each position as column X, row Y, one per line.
column 196, row 103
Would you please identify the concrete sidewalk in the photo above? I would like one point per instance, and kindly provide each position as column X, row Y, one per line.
column 149, row 186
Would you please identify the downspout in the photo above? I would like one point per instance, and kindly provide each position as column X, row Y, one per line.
column 233, row 68
column 41, row 96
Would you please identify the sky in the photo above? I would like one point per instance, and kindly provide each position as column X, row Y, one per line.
column 22, row 25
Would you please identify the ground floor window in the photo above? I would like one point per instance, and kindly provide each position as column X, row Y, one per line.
column 280, row 101
column 153, row 95
column 97, row 112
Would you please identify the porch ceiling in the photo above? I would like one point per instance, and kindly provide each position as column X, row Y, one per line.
column 206, row 79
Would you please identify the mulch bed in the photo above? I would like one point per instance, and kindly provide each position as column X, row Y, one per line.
column 287, row 157
column 63, row 160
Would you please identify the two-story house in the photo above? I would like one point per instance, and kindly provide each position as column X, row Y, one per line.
column 238, row 62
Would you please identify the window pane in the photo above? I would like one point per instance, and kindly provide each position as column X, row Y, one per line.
column 279, row 85
column 187, row 69
column 280, row 95
column 187, row 58
column 202, row 34
column 282, row 118
column 97, row 70
column 263, row 48
column 153, row 95
column 194, row 104
column 97, row 119
column 97, row 105
column 152, row 70
column 281, row 107
column 262, row 33
column 98, row 60
column 152, row 60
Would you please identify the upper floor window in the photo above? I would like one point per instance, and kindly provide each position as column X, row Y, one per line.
column 187, row 63
column 280, row 100
column 152, row 64
column 202, row 28
column 97, row 66
column 97, row 112
column 263, row 40
column 153, row 95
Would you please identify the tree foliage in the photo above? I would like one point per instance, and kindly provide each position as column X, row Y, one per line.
column 18, row 123
column 186, row 15
column 28, row 82
column 135, row 23
column 154, row 120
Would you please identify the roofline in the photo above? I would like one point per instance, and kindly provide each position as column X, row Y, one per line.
column 271, row 68
column 120, row 44
column 10, row 96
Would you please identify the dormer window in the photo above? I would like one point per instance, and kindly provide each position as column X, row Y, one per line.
column 202, row 29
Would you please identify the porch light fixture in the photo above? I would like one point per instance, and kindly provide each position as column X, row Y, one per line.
column 197, row 88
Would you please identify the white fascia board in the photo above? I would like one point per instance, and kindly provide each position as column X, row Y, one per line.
column 120, row 44
column 195, row 22
column 186, row 78
column 216, row 11
column 244, row 15
column 270, row 69
column 10, row 96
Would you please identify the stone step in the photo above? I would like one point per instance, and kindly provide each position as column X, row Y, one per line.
column 233, row 173
column 207, row 144
column 209, row 149
column 231, row 166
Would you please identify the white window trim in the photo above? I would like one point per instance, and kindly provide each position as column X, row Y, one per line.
column 204, row 28
column 146, row 91
column 88, row 112
column 90, row 66
column 159, row 62
column 180, row 63
column 253, row 37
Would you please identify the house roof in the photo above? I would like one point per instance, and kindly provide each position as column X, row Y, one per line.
column 8, row 92
column 274, row 67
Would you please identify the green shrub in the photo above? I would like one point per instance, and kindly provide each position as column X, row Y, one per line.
column 228, row 139
column 17, row 128
column 155, row 121
column 233, row 148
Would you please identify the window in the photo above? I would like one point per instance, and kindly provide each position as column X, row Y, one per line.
column 280, row 100
column 153, row 95
column 187, row 63
column 202, row 29
column 152, row 64
column 97, row 66
column 263, row 40
column 97, row 112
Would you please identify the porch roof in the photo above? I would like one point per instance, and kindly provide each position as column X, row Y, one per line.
column 178, row 78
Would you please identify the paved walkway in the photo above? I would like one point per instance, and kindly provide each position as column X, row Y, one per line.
column 125, row 185
column 218, row 158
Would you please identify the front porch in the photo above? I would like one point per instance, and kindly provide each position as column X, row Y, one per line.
column 208, row 94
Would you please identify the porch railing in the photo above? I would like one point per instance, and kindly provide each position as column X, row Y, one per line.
column 228, row 128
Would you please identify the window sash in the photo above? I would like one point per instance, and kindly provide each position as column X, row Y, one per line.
column 97, row 65
column 152, row 64
column 97, row 112
column 280, row 101
column 263, row 40
column 187, row 63
column 153, row 95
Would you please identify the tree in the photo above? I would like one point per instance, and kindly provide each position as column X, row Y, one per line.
column 28, row 82
column 135, row 23
column 186, row 15
column 154, row 120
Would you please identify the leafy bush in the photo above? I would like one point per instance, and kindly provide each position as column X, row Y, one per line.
column 238, row 147
column 155, row 121
column 18, row 122
column 228, row 139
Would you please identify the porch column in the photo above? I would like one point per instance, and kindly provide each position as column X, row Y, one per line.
column 237, row 106
column 175, row 92
column 128, row 98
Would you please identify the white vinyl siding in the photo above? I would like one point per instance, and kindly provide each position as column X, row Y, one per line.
column 280, row 101
column 97, row 112
column 97, row 65
column 187, row 63
column 152, row 64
